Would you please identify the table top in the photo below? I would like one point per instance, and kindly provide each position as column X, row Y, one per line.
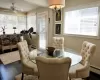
column 66, row 53
column 74, row 57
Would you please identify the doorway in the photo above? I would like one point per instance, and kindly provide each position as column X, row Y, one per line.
column 42, row 23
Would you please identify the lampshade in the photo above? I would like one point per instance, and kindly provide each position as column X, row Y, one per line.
column 56, row 4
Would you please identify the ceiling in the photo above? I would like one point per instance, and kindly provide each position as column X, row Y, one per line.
column 43, row 3
column 20, row 5
column 23, row 5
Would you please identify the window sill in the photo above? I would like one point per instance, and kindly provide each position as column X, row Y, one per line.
column 83, row 36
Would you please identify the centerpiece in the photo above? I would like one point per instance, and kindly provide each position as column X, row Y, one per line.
column 50, row 51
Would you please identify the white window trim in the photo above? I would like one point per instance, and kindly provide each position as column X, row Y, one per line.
column 86, row 36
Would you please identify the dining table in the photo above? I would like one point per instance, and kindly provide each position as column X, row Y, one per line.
column 75, row 57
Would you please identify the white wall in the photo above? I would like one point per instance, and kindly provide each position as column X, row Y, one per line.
column 75, row 3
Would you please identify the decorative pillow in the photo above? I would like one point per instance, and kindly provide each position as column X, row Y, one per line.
column 33, row 54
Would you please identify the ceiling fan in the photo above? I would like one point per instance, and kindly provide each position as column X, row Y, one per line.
column 12, row 9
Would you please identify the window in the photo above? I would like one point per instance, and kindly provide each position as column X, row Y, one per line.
column 10, row 21
column 31, row 20
column 82, row 22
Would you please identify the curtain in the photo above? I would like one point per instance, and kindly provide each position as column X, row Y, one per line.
column 9, row 21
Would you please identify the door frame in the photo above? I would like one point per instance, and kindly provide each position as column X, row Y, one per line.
column 39, row 14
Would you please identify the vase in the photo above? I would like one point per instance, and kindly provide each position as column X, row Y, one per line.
column 3, row 33
column 50, row 50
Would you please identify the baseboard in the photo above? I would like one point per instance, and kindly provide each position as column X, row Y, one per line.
column 95, row 69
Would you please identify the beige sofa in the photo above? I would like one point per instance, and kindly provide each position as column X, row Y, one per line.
column 32, row 41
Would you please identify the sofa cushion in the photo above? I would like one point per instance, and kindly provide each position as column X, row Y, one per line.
column 33, row 54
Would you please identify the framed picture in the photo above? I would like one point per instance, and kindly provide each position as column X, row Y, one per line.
column 58, row 28
column 58, row 16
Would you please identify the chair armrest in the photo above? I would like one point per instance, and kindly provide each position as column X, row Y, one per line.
column 84, row 71
column 86, row 65
column 26, row 63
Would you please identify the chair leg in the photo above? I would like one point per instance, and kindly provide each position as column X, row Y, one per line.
column 22, row 76
column 87, row 78
column 69, row 78
column 38, row 77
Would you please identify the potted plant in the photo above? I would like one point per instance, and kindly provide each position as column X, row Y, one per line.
column 3, row 30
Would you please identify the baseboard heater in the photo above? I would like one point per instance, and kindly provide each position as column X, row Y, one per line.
column 95, row 69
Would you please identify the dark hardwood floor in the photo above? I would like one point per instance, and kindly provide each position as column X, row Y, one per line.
column 8, row 72
column 94, row 76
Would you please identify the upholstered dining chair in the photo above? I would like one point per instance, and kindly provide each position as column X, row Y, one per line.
column 58, row 42
column 81, row 70
column 29, row 67
column 53, row 68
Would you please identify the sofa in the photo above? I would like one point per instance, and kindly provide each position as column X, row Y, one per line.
column 8, row 42
column 32, row 40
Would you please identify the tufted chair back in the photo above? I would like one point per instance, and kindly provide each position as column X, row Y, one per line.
column 23, row 50
column 53, row 68
column 58, row 42
column 87, row 51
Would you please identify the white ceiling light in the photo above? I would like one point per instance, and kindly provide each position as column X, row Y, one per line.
column 56, row 4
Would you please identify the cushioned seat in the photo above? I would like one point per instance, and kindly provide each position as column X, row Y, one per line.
column 30, row 68
column 53, row 68
column 28, row 65
column 58, row 42
column 73, row 69
column 81, row 70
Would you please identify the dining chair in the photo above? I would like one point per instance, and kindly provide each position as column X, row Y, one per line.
column 29, row 67
column 58, row 42
column 53, row 68
column 81, row 70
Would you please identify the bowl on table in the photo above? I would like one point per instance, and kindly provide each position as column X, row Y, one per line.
column 50, row 50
